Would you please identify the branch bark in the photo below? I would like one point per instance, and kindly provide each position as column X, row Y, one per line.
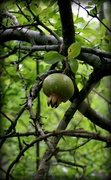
column 97, row 62
column 97, row 52
column 95, row 117
column 68, row 32
column 30, row 36
column 72, row 133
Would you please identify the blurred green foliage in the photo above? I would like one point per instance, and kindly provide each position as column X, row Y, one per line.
column 92, row 154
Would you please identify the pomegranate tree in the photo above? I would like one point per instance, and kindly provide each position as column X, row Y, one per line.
column 58, row 87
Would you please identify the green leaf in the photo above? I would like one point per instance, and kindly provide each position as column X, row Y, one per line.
column 92, row 2
column 89, row 31
column 46, row 11
column 93, row 11
column 88, row 7
column 74, row 64
column 53, row 57
column 79, row 20
column 74, row 50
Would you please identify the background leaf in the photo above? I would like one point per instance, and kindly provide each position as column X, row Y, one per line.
column 53, row 57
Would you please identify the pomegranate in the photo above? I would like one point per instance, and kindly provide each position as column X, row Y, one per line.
column 58, row 87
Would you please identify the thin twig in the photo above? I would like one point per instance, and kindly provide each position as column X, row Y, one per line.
column 94, row 16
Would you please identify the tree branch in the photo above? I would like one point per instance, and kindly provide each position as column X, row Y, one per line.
column 7, row 14
column 96, row 60
column 70, row 163
column 27, row 35
column 94, row 78
column 31, row 49
column 68, row 32
column 72, row 133
column 95, row 117
column 76, row 133
column 98, row 52
column 102, row 64
column 12, row 126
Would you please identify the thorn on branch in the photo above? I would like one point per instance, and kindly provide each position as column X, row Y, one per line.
column 26, row 143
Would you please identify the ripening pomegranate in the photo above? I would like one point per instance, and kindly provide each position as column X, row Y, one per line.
column 58, row 87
